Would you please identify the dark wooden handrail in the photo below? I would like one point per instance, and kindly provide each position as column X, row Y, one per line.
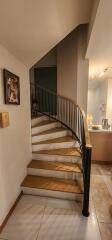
column 68, row 113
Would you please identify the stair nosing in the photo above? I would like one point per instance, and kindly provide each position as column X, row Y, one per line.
column 53, row 178
column 57, row 154
column 60, row 170
column 42, row 133
column 37, row 117
column 57, row 138
column 37, row 125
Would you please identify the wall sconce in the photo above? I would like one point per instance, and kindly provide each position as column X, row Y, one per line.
column 4, row 119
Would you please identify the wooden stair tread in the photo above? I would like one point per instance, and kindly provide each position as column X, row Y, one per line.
column 51, row 183
column 46, row 122
column 56, row 166
column 55, row 140
column 61, row 151
column 52, row 130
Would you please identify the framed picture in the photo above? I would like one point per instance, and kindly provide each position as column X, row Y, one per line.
column 11, row 88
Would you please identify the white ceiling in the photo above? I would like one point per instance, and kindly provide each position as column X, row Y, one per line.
column 100, row 44
column 30, row 28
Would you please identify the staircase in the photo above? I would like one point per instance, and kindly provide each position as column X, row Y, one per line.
column 60, row 165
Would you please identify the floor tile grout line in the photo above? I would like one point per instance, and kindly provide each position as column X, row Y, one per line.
column 106, row 223
column 40, row 224
column 96, row 215
column 95, row 207
column 107, row 185
column 42, row 219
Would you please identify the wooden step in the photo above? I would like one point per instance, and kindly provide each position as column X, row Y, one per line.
column 53, row 184
column 43, row 123
column 53, row 130
column 55, row 166
column 56, row 140
column 44, row 126
column 61, row 151
column 39, row 115
column 38, row 119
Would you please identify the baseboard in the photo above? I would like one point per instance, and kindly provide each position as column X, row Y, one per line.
column 101, row 162
column 10, row 212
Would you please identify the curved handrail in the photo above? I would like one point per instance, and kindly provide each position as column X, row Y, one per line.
column 73, row 117
column 86, row 132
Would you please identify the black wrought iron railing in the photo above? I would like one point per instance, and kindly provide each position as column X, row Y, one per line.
column 69, row 114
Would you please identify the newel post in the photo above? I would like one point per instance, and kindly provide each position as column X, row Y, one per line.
column 86, row 177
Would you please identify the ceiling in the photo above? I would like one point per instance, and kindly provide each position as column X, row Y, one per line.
column 30, row 28
column 100, row 44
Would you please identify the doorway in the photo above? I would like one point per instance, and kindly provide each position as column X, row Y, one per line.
column 46, row 78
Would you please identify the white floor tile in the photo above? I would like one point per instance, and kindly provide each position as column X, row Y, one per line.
column 25, row 222
column 39, row 218
column 69, row 204
column 66, row 204
column 65, row 224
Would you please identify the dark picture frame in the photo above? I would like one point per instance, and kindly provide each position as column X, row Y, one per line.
column 11, row 88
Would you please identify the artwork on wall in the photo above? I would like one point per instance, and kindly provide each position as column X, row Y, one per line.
column 11, row 88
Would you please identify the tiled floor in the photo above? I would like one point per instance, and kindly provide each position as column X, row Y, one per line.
column 38, row 218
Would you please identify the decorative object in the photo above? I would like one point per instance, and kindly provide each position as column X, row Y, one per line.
column 4, row 119
column 11, row 88
column 89, row 120
column 105, row 124
column 95, row 127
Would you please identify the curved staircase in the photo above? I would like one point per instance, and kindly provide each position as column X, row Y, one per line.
column 61, row 159
column 56, row 162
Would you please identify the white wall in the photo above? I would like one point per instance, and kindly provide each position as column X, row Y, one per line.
column 15, row 147
column 96, row 97
column 109, row 101
column 92, row 103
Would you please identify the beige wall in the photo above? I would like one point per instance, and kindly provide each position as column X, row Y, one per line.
column 15, row 147
column 94, row 8
column 50, row 59
column 82, row 68
column 39, row 25
column 67, row 66
column 72, row 67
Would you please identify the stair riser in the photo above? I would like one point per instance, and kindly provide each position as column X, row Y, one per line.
column 59, row 158
column 54, row 194
column 44, row 128
column 49, row 136
column 51, row 146
column 52, row 173
column 38, row 120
